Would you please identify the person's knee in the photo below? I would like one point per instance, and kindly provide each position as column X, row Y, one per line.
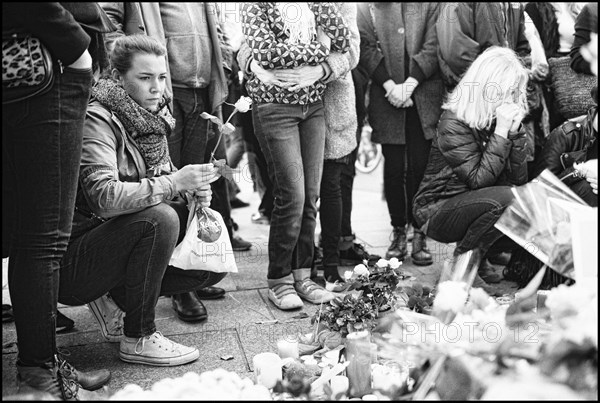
column 165, row 219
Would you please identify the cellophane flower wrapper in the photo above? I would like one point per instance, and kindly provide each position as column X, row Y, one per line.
column 538, row 219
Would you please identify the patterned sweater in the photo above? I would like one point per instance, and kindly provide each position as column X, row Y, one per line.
column 262, row 25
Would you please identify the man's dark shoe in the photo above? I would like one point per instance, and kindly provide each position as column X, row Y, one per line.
column 398, row 247
column 356, row 254
column 239, row 245
column 91, row 380
column 420, row 254
column 210, row 293
column 488, row 273
column 50, row 379
column 188, row 307
column 237, row 203
column 63, row 324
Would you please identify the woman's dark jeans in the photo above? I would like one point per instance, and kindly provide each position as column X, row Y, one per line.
column 41, row 139
column 128, row 255
column 403, row 169
column 292, row 138
column 469, row 219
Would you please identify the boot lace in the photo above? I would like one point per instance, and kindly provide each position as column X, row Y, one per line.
column 68, row 387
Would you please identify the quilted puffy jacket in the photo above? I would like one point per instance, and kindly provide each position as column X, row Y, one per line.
column 464, row 159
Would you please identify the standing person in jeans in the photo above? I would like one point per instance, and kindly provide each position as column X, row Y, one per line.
column 197, row 83
column 290, row 126
column 41, row 149
column 476, row 156
column 131, row 209
column 399, row 52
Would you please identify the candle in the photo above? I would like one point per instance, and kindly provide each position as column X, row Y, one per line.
column 358, row 353
column 339, row 386
column 267, row 369
column 287, row 348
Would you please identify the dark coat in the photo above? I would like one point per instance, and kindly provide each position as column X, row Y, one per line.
column 64, row 28
column 410, row 26
column 573, row 141
column 465, row 30
column 464, row 159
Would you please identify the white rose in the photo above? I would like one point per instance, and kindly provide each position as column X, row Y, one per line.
column 243, row 104
column 347, row 275
column 382, row 263
column 395, row 263
column 361, row 269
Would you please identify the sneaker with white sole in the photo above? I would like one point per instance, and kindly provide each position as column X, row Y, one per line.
column 284, row 297
column 156, row 350
column 308, row 290
column 109, row 317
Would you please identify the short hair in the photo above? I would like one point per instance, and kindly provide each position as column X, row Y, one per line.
column 126, row 47
column 496, row 76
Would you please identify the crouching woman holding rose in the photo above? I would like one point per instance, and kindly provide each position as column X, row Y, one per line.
column 131, row 210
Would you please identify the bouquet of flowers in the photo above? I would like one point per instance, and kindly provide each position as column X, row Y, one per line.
column 372, row 290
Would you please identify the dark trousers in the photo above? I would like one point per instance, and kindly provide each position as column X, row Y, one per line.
column 469, row 219
column 347, row 183
column 193, row 140
column 128, row 256
column 330, row 213
column 292, row 138
column 403, row 169
column 41, row 150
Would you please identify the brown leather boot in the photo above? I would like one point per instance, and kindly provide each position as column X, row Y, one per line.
column 420, row 254
column 397, row 248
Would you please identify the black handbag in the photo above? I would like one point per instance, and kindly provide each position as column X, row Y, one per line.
column 27, row 68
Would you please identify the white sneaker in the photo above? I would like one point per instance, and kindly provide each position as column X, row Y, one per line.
column 284, row 297
column 109, row 317
column 157, row 350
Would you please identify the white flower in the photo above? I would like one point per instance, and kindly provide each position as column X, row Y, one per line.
column 347, row 275
column 243, row 104
column 382, row 263
column 361, row 269
column 450, row 296
column 395, row 263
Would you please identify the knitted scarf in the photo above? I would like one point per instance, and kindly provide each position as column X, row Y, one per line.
column 298, row 22
column 149, row 130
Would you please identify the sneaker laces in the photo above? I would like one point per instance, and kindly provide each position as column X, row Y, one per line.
column 309, row 285
column 281, row 290
column 156, row 335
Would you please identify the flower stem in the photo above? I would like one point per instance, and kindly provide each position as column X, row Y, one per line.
column 212, row 155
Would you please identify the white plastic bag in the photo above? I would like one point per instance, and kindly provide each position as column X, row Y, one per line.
column 195, row 254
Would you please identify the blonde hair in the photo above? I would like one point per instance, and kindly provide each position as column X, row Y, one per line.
column 298, row 22
column 497, row 76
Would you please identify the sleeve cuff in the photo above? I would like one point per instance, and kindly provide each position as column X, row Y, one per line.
column 380, row 75
column 417, row 73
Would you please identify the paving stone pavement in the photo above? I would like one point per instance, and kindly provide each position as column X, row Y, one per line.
column 239, row 325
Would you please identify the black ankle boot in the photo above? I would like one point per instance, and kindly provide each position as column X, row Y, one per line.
column 188, row 307
column 397, row 248
column 420, row 254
